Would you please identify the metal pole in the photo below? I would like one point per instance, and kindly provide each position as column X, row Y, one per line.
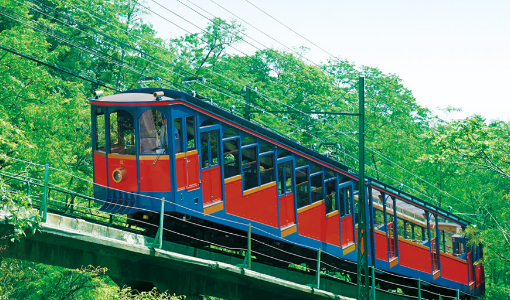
column 247, row 257
column 373, row 282
column 44, row 211
column 458, row 296
column 362, row 276
column 158, row 240
column 419, row 289
column 318, row 273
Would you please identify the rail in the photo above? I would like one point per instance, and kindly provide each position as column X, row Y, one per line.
column 322, row 264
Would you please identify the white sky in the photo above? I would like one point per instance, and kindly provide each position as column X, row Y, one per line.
column 448, row 53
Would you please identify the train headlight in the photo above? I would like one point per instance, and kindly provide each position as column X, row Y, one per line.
column 98, row 94
column 158, row 95
column 120, row 174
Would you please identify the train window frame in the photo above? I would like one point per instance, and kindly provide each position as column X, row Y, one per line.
column 346, row 204
column 100, row 112
column 164, row 118
column 304, row 183
column 209, row 155
column 194, row 139
column 261, row 155
column 250, row 184
column 334, row 181
column 286, row 190
column 321, row 180
column 235, row 153
column 132, row 149
column 178, row 137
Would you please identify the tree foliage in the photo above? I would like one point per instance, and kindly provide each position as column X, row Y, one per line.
column 461, row 165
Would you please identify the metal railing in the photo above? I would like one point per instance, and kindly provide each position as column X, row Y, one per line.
column 321, row 267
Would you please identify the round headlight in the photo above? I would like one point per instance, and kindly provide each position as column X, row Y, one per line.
column 120, row 174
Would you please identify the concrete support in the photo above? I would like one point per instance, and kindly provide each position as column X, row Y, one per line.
column 183, row 270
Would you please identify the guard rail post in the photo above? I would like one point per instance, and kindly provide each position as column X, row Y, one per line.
column 43, row 212
column 158, row 239
column 247, row 256
column 318, row 273
column 373, row 282
column 419, row 289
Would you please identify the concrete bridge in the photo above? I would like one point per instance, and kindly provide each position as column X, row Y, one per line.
column 180, row 269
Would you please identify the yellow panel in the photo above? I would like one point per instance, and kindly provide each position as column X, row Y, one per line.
column 232, row 179
column 120, row 156
column 289, row 230
column 305, row 208
column 393, row 262
column 100, row 153
column 192, row 152
column 153, row 157
column 332, row 214
column 213, row 208
column 259, row 188
column 349, row 249
column 437, row 274
column 452, row 257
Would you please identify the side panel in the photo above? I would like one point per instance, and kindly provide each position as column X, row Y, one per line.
column 416, row 257
column 333, row 230
column 287, row 212
column 454, row 269
column 206, row 186
column 128, row 162
column 314, row 224
column 311, row 221
column 193, row 171
column 100, row 168
column 154, row 173
column 347, row 230
column 180, row 171
column 216, row 186
column 260, row 206
column 381, row 246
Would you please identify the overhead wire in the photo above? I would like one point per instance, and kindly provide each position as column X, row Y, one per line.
column 55, row 67
column 374, row 151
column 83, row 48
column 369, row 148
column 386, row 158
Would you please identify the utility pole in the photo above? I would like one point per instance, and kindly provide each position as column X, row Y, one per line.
column 362, row 278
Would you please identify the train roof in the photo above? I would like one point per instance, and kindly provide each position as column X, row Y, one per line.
column 144, row 96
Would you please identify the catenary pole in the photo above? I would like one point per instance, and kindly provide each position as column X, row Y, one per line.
column 362, row 276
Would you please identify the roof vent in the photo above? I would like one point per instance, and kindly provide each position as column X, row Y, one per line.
column 158, row 95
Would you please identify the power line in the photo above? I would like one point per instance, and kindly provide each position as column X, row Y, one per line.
column 5, row 48
column 291, row 29
column 315, row 136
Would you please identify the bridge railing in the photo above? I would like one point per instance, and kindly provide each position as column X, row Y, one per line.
column 251, row 245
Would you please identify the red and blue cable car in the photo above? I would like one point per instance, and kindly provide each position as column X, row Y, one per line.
column 211, row 165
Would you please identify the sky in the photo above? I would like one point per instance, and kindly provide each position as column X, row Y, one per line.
column 449, row 53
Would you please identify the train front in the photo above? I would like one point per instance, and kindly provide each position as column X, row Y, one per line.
column 130, row 152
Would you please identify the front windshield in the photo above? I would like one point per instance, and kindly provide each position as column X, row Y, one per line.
column 122, row 133
column 153, row 133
